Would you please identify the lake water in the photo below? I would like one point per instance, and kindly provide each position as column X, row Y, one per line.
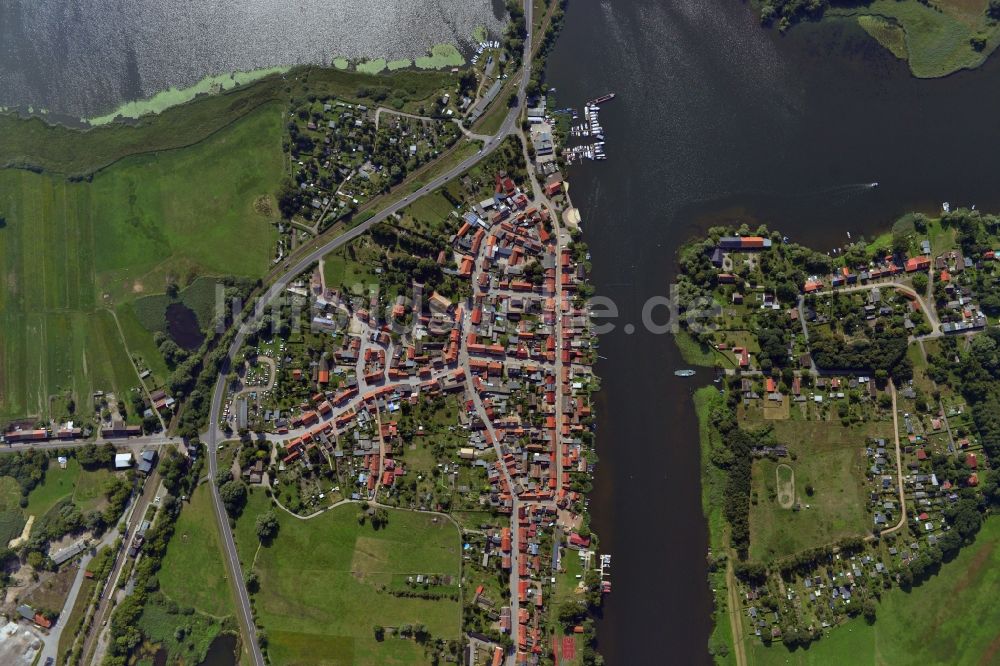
column 717, row 119
column 83, row 58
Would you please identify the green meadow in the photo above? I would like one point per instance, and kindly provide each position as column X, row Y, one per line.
column 322, row 584
column 952, row 619
column 71, row 252
column 193, row 572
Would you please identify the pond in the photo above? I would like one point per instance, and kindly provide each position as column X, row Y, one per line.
column 183, row 327
column 222, row 651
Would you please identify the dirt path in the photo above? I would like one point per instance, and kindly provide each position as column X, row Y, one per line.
column 380, row 110
column 735, row 621
column 786, row 491
column 381, row 452
column 899, row 465
column 25, row 533
column 142, row 383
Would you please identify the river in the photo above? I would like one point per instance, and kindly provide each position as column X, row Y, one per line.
column 719, row 119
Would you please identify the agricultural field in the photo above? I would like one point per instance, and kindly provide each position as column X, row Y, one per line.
column 324, row 585
column 71, row 251
column 826, row 473
column 193, row 573
column 934, row 37
column 950, row 619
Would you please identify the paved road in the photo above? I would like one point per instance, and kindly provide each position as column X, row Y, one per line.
column 289, row 272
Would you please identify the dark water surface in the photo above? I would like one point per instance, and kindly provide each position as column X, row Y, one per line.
column 717, row 119
column 84, row 58
column 183, row 327
column 222, row 651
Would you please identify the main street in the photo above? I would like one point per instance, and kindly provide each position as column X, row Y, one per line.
column 291, row 271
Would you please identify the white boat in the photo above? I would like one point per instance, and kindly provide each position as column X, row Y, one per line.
column 946, row 207
column 684, row 373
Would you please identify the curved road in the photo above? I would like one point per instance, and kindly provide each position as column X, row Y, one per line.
column 211, row 438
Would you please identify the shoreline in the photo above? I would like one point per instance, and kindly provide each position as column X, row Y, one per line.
column 437, row 57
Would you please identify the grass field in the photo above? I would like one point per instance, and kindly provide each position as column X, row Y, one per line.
column 933, row 37
column 70, row 249
column 11, row 517
column 193, row 573
column 829, row 459
column 348, row 266
column 491, row 121
column 59, row 484
column 320, row 584
column 89, row 492
column 430, row 212
column 951, row 619
column 11, row 524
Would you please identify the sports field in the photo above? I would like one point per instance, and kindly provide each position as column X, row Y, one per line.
column 829, row 461
column 71, row 251
column 951, row 619
column 320, row 585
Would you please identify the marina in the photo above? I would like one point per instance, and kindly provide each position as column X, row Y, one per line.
column 484, row 46
column 590, row 128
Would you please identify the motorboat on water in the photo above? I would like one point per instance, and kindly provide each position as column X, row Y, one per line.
column 684, row 373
